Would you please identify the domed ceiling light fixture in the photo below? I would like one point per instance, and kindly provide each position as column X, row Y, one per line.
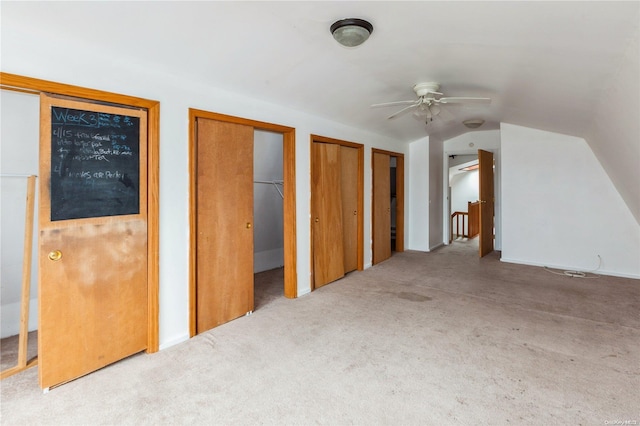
column 351, row 32
column 473, row 124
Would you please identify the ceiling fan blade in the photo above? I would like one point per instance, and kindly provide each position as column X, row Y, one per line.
column 402, row 111
column 456, row 100
column 386, row 104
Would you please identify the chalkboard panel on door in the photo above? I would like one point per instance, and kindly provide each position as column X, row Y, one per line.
column 95, row 164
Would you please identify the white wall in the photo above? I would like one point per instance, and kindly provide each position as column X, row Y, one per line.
column 614, row 135
column 418, row 195
column 268, row 213
column 19, row 135
column 560, row 209
column 26, row 52
column 468, row 144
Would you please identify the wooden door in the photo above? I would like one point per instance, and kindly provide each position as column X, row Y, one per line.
column 349, row 192
column 326, row 201
column 381, row 207
column 485, row 161
column 224, row 220
column 93, row 237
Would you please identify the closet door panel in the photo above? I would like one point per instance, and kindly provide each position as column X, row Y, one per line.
column 487, row 199
column 349, row 192
column 224, row 269
column 328, row 251
column 381, row 207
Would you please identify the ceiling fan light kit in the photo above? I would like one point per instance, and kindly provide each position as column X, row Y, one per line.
column 351, row 32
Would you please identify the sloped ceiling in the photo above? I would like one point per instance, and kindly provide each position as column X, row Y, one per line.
column 545, row 65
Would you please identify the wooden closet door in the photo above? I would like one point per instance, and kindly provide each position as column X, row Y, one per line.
column 381, row 207
column 349, row 190
column 224, row 203
column 485, row 161
column 326, row 200
column 93, row 237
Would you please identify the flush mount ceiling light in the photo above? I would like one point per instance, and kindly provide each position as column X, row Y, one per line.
column 351, row 32
column 473, row 124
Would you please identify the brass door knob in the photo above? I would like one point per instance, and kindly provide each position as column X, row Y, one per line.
column 317, row 220
column 355, row 212
column 248, row 225
column 55, row 255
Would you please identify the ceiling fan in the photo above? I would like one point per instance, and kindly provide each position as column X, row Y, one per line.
column 427, row 104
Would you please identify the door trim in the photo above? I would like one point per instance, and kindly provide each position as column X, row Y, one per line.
column 399, row 197
column 289, row 177
column 36, row 86
column 360, row 228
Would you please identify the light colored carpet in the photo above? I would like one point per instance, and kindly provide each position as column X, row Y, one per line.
column 423, row 338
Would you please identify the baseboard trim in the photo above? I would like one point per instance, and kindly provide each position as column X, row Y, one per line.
column 174, row 341
column 569, row 268
column 437, row 246
column 303, row 292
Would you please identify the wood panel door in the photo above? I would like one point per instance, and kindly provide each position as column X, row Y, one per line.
column 326, row 214
column 224, row 220
column 485, row 161
column 381, row 207
column 93, row 299
column 349, row 192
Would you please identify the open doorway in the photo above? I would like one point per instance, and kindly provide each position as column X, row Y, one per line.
column 468, row 144
column 488, row 199
column 60, row 223
column 464, row 193
column 268, row 217
column 388, row 204
column 222, row 215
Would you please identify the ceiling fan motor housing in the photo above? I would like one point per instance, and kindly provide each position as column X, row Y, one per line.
column 423, row 89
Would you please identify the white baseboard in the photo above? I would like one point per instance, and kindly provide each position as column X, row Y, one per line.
column 304, row 291
column 268, row 259
column 437, row 246
column 569, row 268
column 174, row 341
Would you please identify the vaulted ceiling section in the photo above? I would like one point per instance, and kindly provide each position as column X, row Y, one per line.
column 565, row 67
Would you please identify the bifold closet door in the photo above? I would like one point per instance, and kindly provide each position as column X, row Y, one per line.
column 328, row 250
column 381, row 207
column 349, row 192
column 224, row 205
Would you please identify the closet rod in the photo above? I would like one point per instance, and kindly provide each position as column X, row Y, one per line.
column 275, row 184
column 15, row 175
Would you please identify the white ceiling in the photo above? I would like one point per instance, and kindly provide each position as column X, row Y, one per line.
column 544, row 64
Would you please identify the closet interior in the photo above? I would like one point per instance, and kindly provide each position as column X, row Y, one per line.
column 19, row 155
column 268, row 217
